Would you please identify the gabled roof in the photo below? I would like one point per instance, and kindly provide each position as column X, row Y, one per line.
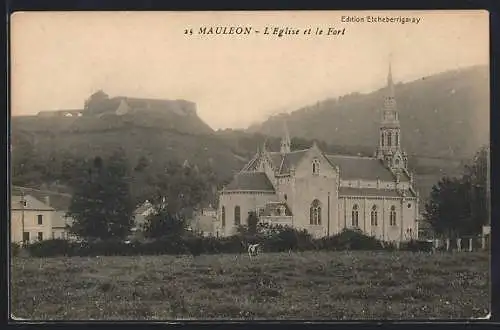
column 57, row 201
column 144, row 207
column 257, row 181
column 291, row 160
column 373, row 192
column 351, row 167
column 32, row 204
column 364, row 168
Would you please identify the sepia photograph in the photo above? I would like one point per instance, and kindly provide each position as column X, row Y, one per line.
column 250, row 165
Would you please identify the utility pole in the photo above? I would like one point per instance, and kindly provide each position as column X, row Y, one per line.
column 22, row 216
column 328, row 233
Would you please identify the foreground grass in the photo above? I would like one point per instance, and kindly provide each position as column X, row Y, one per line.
column 309, row 285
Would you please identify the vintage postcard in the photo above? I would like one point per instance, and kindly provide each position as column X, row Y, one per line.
column 270, row 165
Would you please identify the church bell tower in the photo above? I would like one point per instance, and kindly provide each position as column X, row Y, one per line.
column 389, row 146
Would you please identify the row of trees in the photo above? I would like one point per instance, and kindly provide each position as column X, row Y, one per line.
column 102, row 204
column 459, row 206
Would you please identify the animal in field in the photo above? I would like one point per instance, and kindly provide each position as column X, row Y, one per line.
column 253, row 250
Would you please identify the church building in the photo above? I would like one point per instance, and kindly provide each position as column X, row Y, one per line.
column 323, row 193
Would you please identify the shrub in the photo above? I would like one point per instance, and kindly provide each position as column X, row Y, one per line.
column 50, row 248
column 417, row 245
column 15, row 249
column 350, row 239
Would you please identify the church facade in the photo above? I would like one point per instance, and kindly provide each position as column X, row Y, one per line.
column 323, row 193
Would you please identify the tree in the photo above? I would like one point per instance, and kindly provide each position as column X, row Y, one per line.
column 102, row 206
column 476, row 179
column 459, row 206
column 252, row 221
column 447, row 209
column 163, row 223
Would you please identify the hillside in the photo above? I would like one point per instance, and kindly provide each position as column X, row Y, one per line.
column 444, row 115
column 437, row 120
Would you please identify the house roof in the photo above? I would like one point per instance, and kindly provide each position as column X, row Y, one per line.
column 146, row 206
column 58, row 201
column 31, row 204
column 250, row 181
column 364, row 168
column 373, row 192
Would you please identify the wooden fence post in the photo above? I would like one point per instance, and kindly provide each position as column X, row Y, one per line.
column 447, row 244
column 470, row 244
column 483, row 242
column 459, row 244
column 436, row 243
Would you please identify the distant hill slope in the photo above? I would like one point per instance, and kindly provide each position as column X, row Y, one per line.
column 439, row 118
column 444, row 115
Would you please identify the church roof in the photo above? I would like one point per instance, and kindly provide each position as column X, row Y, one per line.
column 250, row 181
column 291, row 160
column 351, row 167
column 372, row 192
column 364, row 168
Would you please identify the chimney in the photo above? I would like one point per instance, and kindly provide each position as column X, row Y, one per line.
column 47, row 200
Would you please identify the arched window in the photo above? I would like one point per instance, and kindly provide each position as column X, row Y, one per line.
column 315, row 167
column 397, row 138
column 237, row 215
column 392, row 219
column 383, row 138
column 223, row 216
column 355, row 215
column 374, row 216
column 315, row 213
column 389, row 139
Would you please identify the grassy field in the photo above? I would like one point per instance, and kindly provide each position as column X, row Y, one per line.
column 309, row 285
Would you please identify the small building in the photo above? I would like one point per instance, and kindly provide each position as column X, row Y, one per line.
column 31, row 220
column 49, row 209
column 141, row 214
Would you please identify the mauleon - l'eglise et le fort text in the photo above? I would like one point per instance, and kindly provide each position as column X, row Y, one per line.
column 239, row 30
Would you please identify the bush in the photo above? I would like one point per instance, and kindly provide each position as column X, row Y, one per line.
column 350, row 239
column 15, row 248
column 50, row 248
column 417, row 245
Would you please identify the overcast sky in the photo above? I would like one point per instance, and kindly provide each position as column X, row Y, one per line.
column 59, row 59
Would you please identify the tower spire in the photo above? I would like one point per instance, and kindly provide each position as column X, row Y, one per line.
column 390, row 83
column 389, row 146
column 285, row 140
